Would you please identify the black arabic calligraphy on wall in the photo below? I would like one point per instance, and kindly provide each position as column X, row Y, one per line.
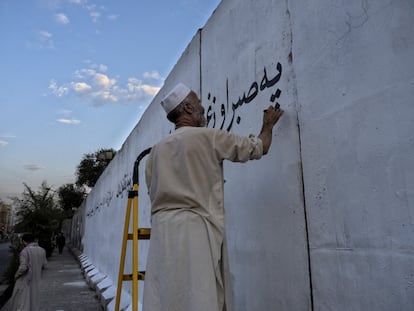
column 104, row 203
column 123, row 185
column 227, row 109
column 212, row 121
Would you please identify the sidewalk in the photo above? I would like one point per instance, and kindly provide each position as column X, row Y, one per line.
column 63, row 287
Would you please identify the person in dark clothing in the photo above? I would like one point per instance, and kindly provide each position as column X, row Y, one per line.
column 60, row 241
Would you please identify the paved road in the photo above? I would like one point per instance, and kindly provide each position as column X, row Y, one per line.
column 63, row 287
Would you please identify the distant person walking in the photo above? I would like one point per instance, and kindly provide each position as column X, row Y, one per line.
column 25, row 295
column 60, row 241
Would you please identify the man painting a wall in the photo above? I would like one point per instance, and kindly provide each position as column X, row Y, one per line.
column 184, row 173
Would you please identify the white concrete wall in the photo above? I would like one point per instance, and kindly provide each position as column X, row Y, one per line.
column 263, row 199
column 106, row 204
column 344, row 74
column 355, row 81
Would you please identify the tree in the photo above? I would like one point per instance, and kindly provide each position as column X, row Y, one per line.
column 39, row 214
column 70, row 196
column 92, row 166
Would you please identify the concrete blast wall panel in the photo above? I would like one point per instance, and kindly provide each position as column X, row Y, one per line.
column 245, row 67
column 325, row 220
column 355, row 85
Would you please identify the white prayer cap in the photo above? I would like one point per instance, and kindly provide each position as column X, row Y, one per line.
column 175, row 97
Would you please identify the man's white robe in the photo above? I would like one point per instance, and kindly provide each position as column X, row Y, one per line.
column 184, row 173
column 26, row 294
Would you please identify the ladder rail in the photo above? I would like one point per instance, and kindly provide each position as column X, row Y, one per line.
column 123, row 253
column 135, row 253
column 137, row 233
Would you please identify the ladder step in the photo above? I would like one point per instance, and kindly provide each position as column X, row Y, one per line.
column 143, row 234
column 128, row 277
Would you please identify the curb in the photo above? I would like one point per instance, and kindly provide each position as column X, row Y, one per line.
column 104, row 287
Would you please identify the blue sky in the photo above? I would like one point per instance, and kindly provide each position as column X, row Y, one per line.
column 77, row 76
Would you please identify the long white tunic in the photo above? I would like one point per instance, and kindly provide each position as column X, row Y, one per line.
column 25, row 295
column 184, row 176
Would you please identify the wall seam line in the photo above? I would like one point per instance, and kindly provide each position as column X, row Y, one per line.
column 200, row 30
column 305, row 215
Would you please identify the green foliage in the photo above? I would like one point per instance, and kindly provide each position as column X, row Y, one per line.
column 92, row 166
column 39, row 214
column 70, row 196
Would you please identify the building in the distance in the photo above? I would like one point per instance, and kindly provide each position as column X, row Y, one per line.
column 5, row 217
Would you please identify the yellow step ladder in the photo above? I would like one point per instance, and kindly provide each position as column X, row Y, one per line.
column 137, row 234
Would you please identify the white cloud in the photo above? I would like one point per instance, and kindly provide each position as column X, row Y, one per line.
column 105, row 97
column 44, row 35
column 134, row 84
column 103, row 80
column 62, row 18
column 89, row 72
column 68, row 121
column 67, row 117
column 3, row 143
column 102, row 88
column 33, row 167
column 59, row 91
column 152, row 75
column 81, row 87
column 103, row 68
column 94, row 68
column 7, row 135
column 150, row 90
column 78, row 74
column 94, row 16
column 138, row 90
column 43, row 40
column 95, row 12
column 82, row 73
